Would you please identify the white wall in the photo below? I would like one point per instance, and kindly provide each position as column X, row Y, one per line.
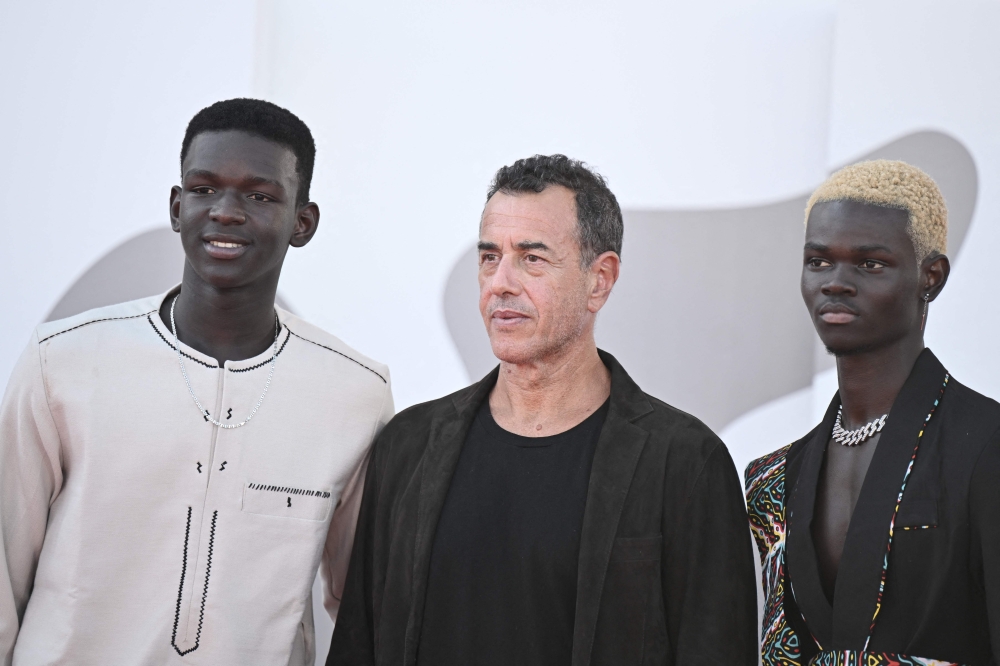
column 96, row 97
column 415, row 106
column 900, row 67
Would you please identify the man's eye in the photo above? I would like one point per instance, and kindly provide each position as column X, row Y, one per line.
column 816, row 262
column 532, row 259
column 871, row 264
column 203, row 190
column 487, row 257
column 257, row 196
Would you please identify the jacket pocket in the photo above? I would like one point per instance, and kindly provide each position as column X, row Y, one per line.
column 917, row 513
column 286, row 501
column 631, row 626
column 637, row 549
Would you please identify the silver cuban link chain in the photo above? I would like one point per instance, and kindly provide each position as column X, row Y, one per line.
column 857, row 436
column 201, row 408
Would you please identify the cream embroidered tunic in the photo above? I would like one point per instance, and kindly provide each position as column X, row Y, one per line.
column 135, row 532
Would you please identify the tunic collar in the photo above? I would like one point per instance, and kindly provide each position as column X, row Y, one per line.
column 203, row 360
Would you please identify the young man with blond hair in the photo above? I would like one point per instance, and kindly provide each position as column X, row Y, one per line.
column 879, row 530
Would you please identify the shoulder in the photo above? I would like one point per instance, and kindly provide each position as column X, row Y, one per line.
column 969, row 429
column 680, row 442
column 404, row 439
column 328, row 348
column 769, row 467
column 963, row 403
column 69, row 349
column 669, row 425
column 98, row 321
column 414, row 421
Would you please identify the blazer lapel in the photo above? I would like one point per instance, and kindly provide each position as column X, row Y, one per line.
column 615, row 459
column 860, row 573
column 800, row 550
column 445, row 439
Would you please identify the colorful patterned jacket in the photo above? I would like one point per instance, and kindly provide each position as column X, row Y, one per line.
column 920, row 572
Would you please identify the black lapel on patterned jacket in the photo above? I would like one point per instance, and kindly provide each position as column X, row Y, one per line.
column 864, row 551
column 800, row 553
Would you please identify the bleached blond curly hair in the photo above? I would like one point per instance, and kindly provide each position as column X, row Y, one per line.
column 893, row 184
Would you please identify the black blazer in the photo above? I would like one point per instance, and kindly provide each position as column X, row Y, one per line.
column 942, row 590
column 665, row 575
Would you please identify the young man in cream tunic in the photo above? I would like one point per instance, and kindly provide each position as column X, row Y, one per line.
column 173, row 470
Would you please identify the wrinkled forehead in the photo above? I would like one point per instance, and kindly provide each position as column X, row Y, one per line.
column 549, row 215
column 858, row 223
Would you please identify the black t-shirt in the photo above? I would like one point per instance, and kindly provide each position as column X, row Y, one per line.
column 502, row 582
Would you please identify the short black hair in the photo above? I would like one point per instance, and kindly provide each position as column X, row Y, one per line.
column 599, row 218
column 266, row 120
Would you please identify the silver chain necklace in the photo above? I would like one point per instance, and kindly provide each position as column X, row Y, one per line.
column 857, row 436
column 204, row 412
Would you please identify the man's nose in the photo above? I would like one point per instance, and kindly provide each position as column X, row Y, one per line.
column 504, row 279
column 229, row 210
column 839, row 283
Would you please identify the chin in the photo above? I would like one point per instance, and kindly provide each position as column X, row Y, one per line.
column 514, row 351
column 226, row 278
column 841, row 347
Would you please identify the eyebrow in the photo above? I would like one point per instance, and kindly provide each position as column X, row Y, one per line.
column 872, row 248
column 532, row 245
column 249, row 180
column 523, row 245
column 861, row 249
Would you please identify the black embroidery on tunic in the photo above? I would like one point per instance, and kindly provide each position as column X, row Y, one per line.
column 204, row 593
column 263, row 363
column 180, row 592
column 223, row 468
column 229, row 414
column 289, row 491
column 184, row 353
column 337, row 352
column 87, row 323
column 199, row 470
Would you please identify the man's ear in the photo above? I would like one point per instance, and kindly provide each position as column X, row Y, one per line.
column 604, row 272
column 175, row 208
column 934, row 271
column 306, row 223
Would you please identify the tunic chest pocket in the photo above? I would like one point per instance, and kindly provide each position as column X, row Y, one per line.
column 286, row 501
column 917, row 513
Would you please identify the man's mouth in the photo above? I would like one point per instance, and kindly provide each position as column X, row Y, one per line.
column 225, row 248
column 508, row 317
column 837, row 314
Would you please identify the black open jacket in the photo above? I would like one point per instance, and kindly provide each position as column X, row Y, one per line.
column 942, row 589
column 665, row 572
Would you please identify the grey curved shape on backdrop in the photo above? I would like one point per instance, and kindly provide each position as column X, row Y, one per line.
column 141, row 266
column 707, row 314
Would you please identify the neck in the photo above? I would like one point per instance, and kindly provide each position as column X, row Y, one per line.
column 551, row 395
column 226, row 324
column 870, row 381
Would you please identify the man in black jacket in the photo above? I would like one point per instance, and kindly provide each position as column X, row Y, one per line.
column 886, row 548
column 553, row 513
